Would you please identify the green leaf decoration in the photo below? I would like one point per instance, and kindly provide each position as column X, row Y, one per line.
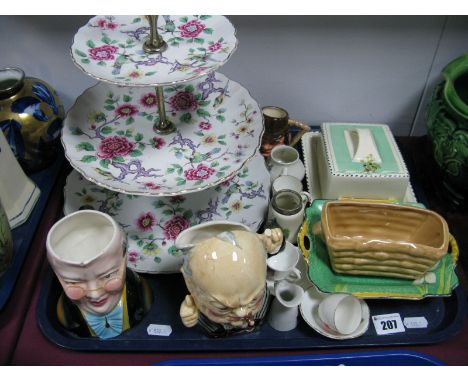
column 76, row 131
column 129, row 121
column 181, row 181
column 139, row 137
column 208, row 30
column 189, row 88
column 118, row 159
column 150, row 73
column 187, row 117
column 85, row 61
column 170, row 170
column 224, row 168
column 86, row 146
column 104, row 163
column 204, row 17
column 203, row 113
column 220, row 118
column 106, row 39
column 106, row 130
column 199, row 40
column 80, row 53
column 90, row 44
column 127, row 98
column 214, row 164
column 188, row 214
column 167, row 212
column 157, row 259
column 220, row 174
column 102, row 63
column 135, row 153
column 136, row 20
column 183, row 19
column 109, row 107
column 88, row 159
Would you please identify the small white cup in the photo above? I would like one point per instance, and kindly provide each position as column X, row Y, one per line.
column 341, row 312
column 283, row 264
column 284, row 308
column 287, row 182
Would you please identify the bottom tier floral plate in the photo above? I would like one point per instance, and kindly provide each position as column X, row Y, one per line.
column 440, row 281
column 153, row 223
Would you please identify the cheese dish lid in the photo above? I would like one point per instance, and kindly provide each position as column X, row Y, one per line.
column 362, row 150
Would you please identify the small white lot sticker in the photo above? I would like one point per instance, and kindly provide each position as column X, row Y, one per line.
column 415, row 322
column 388, row 324
column 159, row 330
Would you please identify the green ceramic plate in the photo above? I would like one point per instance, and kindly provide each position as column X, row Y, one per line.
column 322, row 275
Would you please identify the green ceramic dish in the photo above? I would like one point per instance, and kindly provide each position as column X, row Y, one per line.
column 322, row 275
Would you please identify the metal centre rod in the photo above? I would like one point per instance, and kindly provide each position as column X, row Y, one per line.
column 155, row 43
column 163, row 125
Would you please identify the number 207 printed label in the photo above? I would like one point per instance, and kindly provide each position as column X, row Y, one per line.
column 388, row 324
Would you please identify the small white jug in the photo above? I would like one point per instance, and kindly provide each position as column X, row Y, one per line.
column 285, row 307
column 284, row 160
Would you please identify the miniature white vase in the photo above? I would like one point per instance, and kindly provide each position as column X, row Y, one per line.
column 285, row 307
column 284, row 160
column 17, row 192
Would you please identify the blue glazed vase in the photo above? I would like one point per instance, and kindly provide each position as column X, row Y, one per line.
column 447, row 128
column 31, row 116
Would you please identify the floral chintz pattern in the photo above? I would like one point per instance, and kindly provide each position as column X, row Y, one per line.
column 153, row 224
column 109, row 137
column 110, row 48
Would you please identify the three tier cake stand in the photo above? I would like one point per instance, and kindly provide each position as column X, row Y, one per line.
column 163, row 141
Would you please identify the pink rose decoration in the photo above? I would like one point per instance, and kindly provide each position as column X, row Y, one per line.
column 133, row 256
column 126, row 110
column 115, row 146
column 158, row 142
column 101, row 23
column 205, row 125
column 103, row 53
column 192, row 28
column 173, row 227
column 183, row 101
column 148, row 100
column 201, row 172
column 111, row 25
column 214, row 47
column 176, row 199
column 146, row 221
column 152, row 186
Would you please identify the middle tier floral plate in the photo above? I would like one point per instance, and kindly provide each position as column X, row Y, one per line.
column 152, row 224
column 108, row 136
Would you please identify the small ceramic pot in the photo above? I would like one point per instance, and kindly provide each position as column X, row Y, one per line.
column 288, row 211
column 276, row 121
column 31, row 116
column 285, row 160
column 6, row 241
column 285, row 307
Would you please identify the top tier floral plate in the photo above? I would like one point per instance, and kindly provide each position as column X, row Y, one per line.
column 108, row 136
column 110, row 49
